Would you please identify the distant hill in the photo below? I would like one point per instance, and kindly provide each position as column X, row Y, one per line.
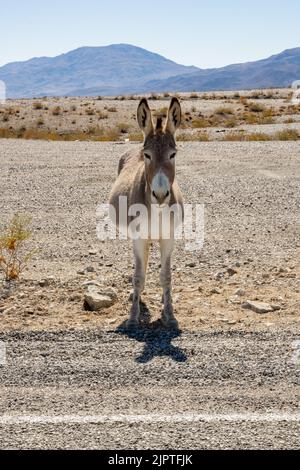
column 109, row 70
column 277, row 71
column 124, row 69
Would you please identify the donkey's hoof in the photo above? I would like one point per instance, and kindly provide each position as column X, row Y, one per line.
column 132, row 324
column 170, row 323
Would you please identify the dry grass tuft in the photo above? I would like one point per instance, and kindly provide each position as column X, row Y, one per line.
column 13, row 253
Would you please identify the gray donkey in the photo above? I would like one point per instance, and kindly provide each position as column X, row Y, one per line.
column 147, row 177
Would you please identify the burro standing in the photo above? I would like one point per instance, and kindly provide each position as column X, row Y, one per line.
column 146, row 180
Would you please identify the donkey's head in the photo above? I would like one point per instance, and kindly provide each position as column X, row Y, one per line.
column 159, row 150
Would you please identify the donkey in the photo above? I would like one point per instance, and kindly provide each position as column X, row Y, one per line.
column 147, row 177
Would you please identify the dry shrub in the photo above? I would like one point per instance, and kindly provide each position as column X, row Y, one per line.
column 223, row 110
column 285, row 135
column 199, row 137
column 136, row 137
column 255, row 137
column 56, row 111
column 256, row 107
column 230, row 123
column 200, row 123
column 13, row 251
column 37, row 105
column 123, row 127
column 289, row 134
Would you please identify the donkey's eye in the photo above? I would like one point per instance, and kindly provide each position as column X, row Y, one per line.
column 147, row 156
column 172, row 156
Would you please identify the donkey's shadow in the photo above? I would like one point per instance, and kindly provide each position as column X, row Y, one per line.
column 157, row 339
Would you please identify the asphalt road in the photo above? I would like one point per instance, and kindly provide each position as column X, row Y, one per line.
column 153, row 389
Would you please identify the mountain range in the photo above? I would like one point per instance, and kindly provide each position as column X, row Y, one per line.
column 126, row 69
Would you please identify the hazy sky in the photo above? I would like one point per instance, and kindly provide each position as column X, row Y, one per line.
column 203, row 33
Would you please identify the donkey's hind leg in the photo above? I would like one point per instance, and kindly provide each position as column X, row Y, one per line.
column 168, row 318
column 141, row 252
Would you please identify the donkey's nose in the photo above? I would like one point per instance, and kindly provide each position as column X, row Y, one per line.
column 161, row 196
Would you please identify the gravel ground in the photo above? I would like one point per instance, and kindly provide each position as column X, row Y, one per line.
column 63, row 360
column 251, row 197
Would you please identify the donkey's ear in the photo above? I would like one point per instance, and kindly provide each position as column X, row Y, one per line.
column 144, row 117
column 174, row 116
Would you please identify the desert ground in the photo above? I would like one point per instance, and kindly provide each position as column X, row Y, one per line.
column 227, row 359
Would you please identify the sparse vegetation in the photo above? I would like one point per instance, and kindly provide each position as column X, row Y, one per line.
column 37, row 105
column 86, row 119
column 290, row 134
column 123, row 127
column 200, row 123
column 136, row 137
column 154, row 96
column 223, row 111
column 56, row 111
column 256, row 107
column 14, row 254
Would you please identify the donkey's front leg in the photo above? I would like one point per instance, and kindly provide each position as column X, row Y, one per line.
column 166, row 248
column 141, row 251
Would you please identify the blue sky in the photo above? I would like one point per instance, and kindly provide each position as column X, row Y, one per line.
column 203, row 33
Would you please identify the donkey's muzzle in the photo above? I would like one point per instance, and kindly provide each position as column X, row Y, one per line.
column 161, row 197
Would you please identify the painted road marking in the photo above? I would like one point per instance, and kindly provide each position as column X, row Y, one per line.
column 266, row 417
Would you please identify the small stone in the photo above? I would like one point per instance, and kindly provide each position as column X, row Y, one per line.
column 275, row 307
column 8, row 310
column 74, row 297
column 190, row 265
column 240, row 292
column 90, row 269
column 97, row 298
column 81, row 272
column 218, row 276
column 258, row 307
column 233, row 300
column 232, row 322
column 282, row 270
column 232, row 271
column 87, row 284
column 216, row 290
column 93, row 252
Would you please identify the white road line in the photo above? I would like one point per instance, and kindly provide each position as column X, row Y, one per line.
column 271, row 417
